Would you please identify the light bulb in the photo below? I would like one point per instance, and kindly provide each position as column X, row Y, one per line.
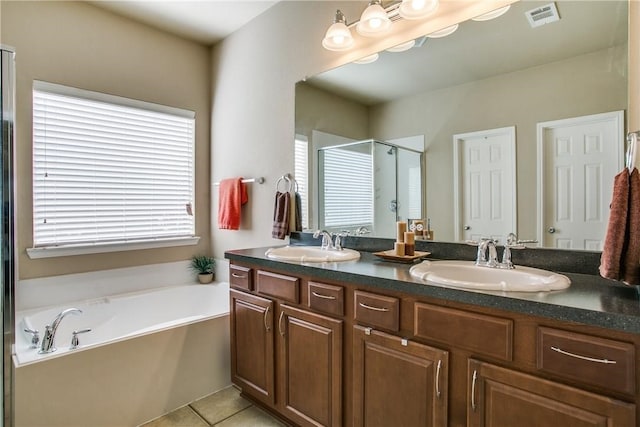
column 338, row 36
column 374, row 20
column 417, row 9
column 493, row 14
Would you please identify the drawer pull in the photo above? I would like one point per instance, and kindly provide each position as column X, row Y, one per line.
column 266, row 325
column 315, row 294
column 369, row 307
column 473, row 390
column 280, row 323
column 438, row 379
column 578, row 356
column 238, row 276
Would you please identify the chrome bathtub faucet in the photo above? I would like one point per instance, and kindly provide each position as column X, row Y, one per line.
column 48, row 341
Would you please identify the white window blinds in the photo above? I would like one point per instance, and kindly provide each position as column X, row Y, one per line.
column 301, row 167
column 348, row 190
column 108, row 169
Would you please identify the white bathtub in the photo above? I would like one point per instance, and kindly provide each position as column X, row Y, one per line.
column 147, row 354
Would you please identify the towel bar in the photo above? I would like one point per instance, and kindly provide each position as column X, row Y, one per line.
column 246, row 181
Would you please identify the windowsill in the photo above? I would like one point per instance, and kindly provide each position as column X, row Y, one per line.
column 60, row 251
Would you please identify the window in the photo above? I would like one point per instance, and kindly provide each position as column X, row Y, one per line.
column 109, row 171
column 347, row 185
column 301, row 167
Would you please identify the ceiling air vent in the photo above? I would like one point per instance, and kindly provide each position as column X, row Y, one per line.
column 542, row 15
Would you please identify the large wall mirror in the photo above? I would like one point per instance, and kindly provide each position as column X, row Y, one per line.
column 488, row 81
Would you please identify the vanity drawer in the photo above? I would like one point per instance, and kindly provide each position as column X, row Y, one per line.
column 326, row 298
column 484, row 335
column 590, row 360
column 377, row 310
column 240, row 277
column 279, row 286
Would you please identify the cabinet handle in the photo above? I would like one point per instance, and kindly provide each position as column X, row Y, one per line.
column 315, row 294
column 280, row 323
column 473, row 390
column 238, row 276
column 266, row 325
column 368, row 307
column 578, row 356
column 438, row 379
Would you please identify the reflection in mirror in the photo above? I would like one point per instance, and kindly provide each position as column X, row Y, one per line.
column 487, row 75
column 368, row 185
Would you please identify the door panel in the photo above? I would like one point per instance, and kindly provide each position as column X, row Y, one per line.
column 252, row 355
column 397, row 382
column 485, row 190
column 500, row 397
column 311, row 367
column 578, row 159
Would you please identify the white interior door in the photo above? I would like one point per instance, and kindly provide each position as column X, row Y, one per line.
column 485, row 184
column 577, row 161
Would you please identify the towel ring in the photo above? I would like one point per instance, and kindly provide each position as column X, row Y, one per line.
column 287, row 179
column 632, row 146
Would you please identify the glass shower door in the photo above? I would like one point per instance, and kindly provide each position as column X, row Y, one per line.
column 7, row 215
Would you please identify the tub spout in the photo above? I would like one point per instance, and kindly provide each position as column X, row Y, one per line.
column 48, row 341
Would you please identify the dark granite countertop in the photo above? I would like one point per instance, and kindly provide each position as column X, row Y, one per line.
column 590, row 299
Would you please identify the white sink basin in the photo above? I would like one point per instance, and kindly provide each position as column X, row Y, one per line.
column 465, row 274
column 311, row 254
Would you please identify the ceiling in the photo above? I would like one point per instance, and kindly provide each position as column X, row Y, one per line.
column 204, row 21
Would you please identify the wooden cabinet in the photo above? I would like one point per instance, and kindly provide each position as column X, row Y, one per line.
column 334, row 354
column 252, row 355
column 310, row 367
column 499, row 397
column 288, row 358
column 398, row 382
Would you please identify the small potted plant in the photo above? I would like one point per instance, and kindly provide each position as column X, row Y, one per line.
column 205, row 267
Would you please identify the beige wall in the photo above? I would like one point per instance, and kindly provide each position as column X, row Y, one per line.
column 598, row 84
column 77, row 44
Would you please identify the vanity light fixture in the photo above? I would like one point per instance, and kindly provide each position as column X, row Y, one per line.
column 493, row 14
column 374, row 20
column 338, row 36
column 367, row 59
column 417, row 9
column 402, row 46
column 443, row 32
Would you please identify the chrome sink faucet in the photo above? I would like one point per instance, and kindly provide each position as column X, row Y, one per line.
column 48, row 341
column 327, row 239
column 487, row 254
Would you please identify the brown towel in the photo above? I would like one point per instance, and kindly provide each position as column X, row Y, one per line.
column 614, row 240
column 232, row 195
column 631, row 264
column 298, row 208
column 281, row 214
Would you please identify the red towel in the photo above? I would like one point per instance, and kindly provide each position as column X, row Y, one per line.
column 233, row 194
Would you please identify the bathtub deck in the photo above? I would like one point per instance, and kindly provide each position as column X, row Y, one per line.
column 225, row 408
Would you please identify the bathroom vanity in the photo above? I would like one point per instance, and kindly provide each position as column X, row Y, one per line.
column 364, row 343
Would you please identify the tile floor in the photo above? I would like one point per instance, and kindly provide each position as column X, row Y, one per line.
column 225, row 408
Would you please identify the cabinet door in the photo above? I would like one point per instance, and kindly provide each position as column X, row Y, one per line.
column 501, row 397
column 310, row 367
column 397, row 382
column 252, row 357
